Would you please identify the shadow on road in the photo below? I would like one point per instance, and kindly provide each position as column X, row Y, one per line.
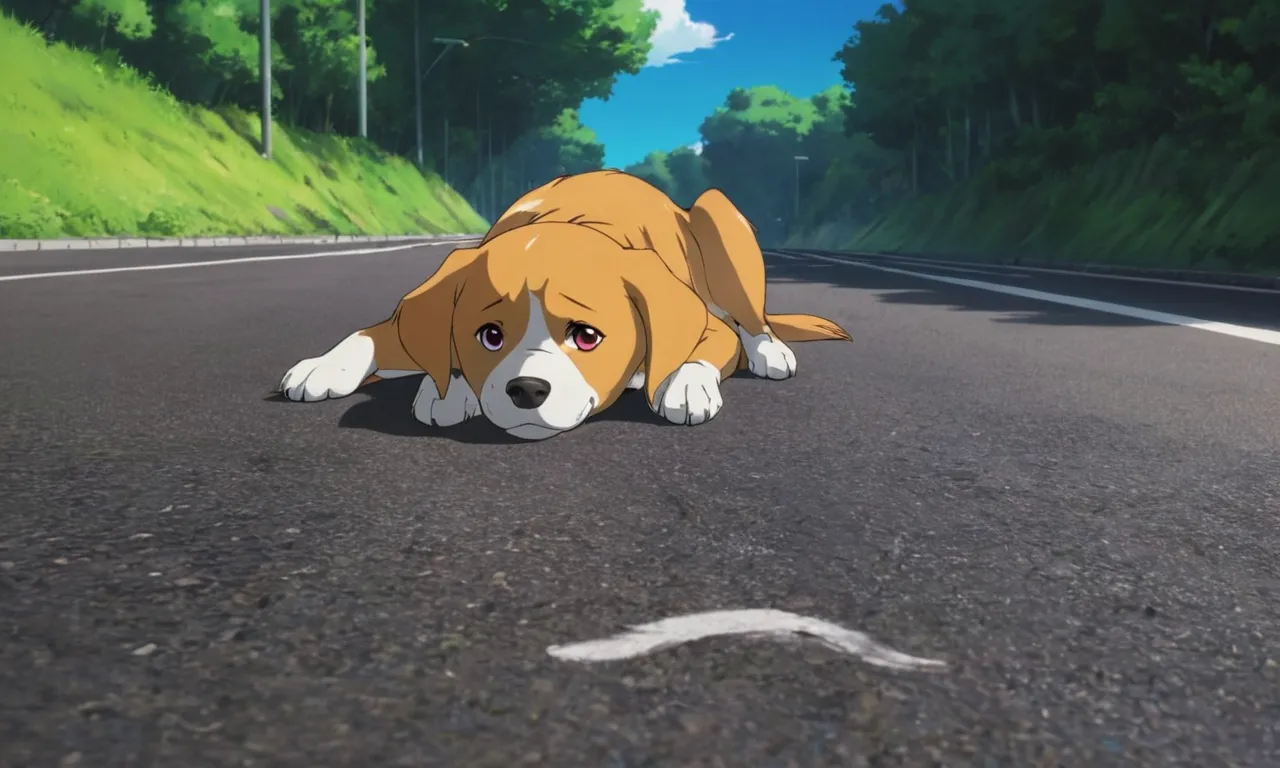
column 386, row 407
column 902, row 289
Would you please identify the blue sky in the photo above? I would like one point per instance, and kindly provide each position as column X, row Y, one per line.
column 702, row 49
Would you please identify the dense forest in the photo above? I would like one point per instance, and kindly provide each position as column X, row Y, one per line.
column 499, row 112
column 1151, row 125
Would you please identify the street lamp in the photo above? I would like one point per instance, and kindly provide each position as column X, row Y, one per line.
column 265, row 44
column 420, row 75
column 448, row 43
column 798, row 159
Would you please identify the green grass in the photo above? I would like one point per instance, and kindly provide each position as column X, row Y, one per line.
column 91, row 148
column 1151, row 208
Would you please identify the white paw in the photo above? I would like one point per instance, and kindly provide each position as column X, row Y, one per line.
column 457, row 406
column 768, row 357
column 336, row 373
column 691, row 395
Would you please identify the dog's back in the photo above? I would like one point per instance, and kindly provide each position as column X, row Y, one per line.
column 626, row 208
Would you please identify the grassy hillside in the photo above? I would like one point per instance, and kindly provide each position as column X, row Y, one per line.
column 90, row 148
column 1150, row 208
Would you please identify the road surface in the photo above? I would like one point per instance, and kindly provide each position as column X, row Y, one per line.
column 1076, row 510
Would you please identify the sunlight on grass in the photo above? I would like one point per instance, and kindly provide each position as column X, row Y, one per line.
column 90, row 148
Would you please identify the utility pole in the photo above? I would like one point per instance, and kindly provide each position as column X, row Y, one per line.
column 417, row 78
column 479, row 158
column 265, row 66
column 493, row 197
column 446, row 151
column 798, row 159
column 364, row 72
column 504, row 183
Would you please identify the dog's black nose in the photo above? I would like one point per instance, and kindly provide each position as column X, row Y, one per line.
column 528, row 392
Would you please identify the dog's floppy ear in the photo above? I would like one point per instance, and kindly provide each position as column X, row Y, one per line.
column 674, row 317
column 424, row 318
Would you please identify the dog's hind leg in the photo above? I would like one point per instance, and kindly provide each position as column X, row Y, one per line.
column 735, row 276
column 732, row 260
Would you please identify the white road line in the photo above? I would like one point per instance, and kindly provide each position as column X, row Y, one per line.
column 1072, row 273
column 216, row 262
column 782, row 255
column 761, row 623
column 940, row 268
column 987, row 272
column 1262, row 335
column 934, row 265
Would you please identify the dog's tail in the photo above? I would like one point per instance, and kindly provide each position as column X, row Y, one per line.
column 806, row 328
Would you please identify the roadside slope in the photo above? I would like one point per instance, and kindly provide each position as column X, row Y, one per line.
column 1154, row 208
column 91, row 148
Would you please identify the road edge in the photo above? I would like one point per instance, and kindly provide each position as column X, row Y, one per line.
column 114, row 243
column 1189, row 276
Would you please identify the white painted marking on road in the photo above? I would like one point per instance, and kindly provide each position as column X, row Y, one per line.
column 1261, row 335
column 1072, row 273
column 931, row 264
column 216, row 262
column 987, row 272
column 763, row 623
column 787, row 256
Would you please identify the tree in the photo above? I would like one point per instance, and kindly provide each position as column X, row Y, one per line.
column 528, row 62
column 653, row 169
column 825, row 139
column 130, row 19
column 749, row 152
column 749, row 149
column 681, row 173
column 318, row 39
column 688, row 171
column 889, row 84
column 564, row 147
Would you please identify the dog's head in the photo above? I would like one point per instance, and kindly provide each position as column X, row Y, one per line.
column 547, row 323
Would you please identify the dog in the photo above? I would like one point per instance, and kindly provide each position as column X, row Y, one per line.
column 587, row 286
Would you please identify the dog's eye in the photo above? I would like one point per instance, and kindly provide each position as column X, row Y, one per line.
column 490, row 336
column 583, row 337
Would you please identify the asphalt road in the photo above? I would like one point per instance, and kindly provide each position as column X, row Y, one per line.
column 1076, row 511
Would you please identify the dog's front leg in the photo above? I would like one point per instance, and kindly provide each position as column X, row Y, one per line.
column 458, row 404
column 339, row 371
column 362, row 358
column 691, row 395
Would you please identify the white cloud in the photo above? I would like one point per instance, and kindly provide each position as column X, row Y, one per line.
column 696, row 147
column 678, row 33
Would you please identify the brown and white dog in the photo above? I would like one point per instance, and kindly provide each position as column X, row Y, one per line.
column 587, row 286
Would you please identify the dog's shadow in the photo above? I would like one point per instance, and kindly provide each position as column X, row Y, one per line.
column 385, row 407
